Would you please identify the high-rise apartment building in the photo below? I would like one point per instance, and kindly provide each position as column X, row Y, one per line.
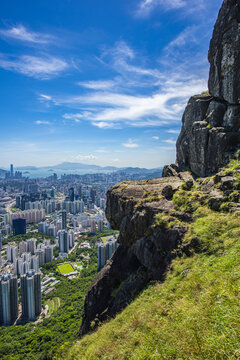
column 19, row 226
column 64, row 219
column 22, row 247
column 63, row 241
column 18, row 266
column 48, row 253
column 31, row 245
column 8, row 299
column 71, row 194
column 12, row 253
column 11, row 170
column 41, row 256
column 31, row 295
column 105, row 252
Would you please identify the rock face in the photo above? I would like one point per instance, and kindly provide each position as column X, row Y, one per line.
column 224, row 54
column 146, row 246
column 210, row 135
column 211, row 123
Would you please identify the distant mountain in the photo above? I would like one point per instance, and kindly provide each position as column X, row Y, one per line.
column 68, row 166
column 75, row 166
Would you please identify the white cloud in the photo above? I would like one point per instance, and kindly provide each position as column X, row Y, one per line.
column 147, row 6
column 42, row 68
column 109, row 110
column 19, row 32
column 45, row 97
column 170, row 141
column 189, row 35
column 130, row 144
column 85, row 157
column 98, row 85
column 143, row 96
column 155, row 137
column 42, row 122
column 106, row 125
column 173, row 131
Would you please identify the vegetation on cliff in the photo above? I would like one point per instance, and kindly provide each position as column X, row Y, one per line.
column 194, row 313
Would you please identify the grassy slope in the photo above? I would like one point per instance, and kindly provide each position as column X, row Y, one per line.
column 194, row 314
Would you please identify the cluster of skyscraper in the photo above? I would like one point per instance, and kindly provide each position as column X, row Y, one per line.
column 31, row 216
column 30, row 285
column 10, row 174
column 105, row 252
column 30, row 257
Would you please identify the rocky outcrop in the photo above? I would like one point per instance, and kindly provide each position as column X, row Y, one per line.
column 211, row 123
column 209, row 137
column 145, row 245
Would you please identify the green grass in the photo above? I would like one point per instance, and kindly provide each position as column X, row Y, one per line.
column 104, row 239
column 65, row 268
column 53, row 304
column 194, row 314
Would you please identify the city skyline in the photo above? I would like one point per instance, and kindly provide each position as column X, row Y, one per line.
column 99, row 83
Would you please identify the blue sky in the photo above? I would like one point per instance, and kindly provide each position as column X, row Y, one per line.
column 100, row 81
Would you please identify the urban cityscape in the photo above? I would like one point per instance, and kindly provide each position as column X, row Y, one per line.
column 45, row 221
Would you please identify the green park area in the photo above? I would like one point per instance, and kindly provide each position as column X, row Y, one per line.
column 104, row 239
column 65, row 269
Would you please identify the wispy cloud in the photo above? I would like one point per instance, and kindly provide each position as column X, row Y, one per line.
column 170, row 141
column 45, row 97
column 85, row 157
column 173, row 131
column 19, row 32
column 42, row 122
column 155, row 137
column 130, row 144
column 189, row 35
column 141, row 95
column 43, row 67
column 147, row 6
column 98, row 85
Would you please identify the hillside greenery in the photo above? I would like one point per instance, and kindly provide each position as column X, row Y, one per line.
column 195, row 313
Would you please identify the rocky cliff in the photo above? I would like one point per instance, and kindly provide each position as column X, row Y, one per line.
column 151, row 223
column 211, row 123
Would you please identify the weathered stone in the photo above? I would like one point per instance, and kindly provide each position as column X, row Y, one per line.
column 231, row 118
column 167, row 191
column 227, row 183
column 170, row 170
column 215, row 113
column 204, row 149
column 224, row 54
column 215, row 202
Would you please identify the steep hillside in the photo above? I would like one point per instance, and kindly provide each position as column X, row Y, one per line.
column 181, row 231
column 195, row 312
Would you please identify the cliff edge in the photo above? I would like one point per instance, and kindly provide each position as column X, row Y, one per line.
column 153, row 216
